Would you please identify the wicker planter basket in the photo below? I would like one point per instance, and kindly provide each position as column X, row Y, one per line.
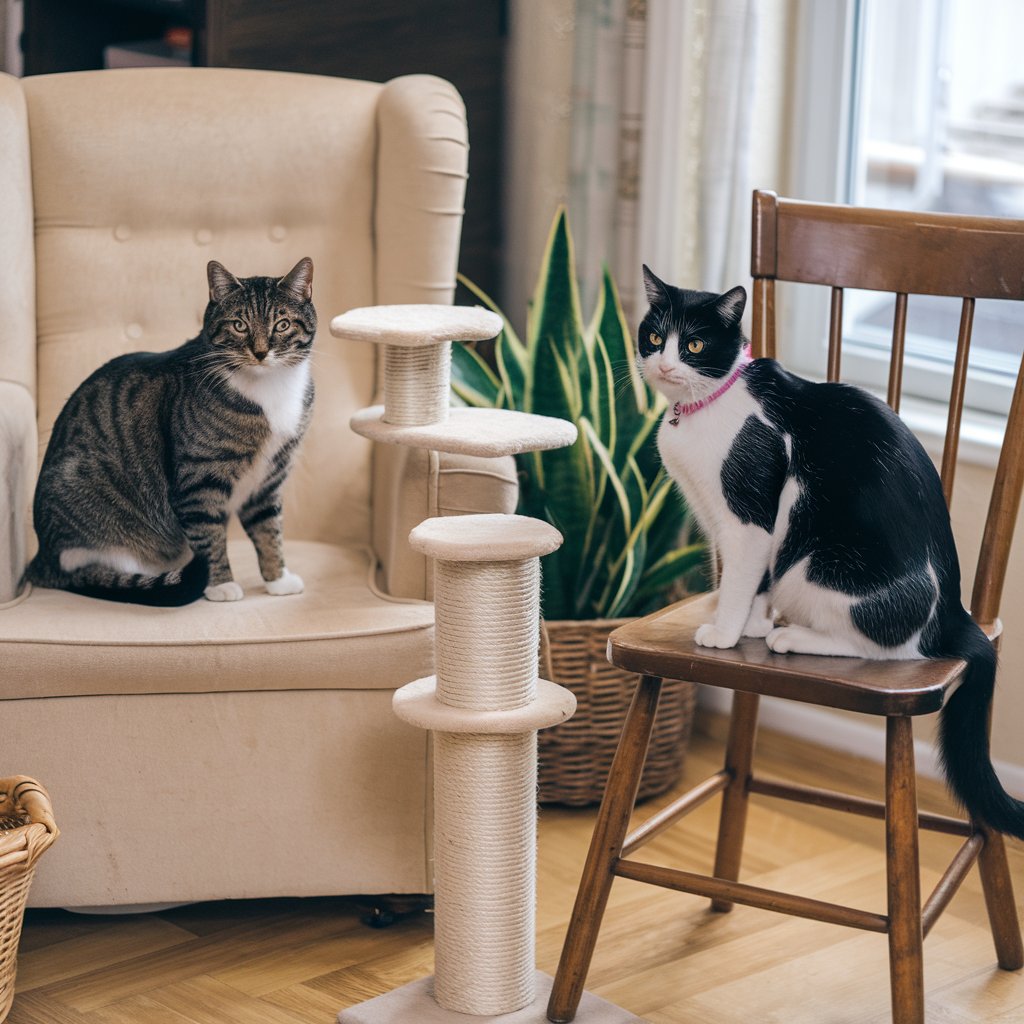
column 27, row 830
column 575, row 756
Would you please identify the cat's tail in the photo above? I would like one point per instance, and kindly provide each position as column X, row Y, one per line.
column 964, row 734
column 168, row 590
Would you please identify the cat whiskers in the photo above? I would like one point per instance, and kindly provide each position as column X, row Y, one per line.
column 622, row 376
column 214, row 368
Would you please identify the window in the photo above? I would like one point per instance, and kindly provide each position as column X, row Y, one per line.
column 930, row 95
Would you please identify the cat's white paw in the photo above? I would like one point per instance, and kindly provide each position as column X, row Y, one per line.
column 287, row 583
column 229, row 591
column 758, row 626
column 781, row 640
column 710, row 635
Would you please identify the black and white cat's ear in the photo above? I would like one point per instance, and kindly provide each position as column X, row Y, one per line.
column 657, row 290
column 222, row 282
column 299, row 280
column 730, row 306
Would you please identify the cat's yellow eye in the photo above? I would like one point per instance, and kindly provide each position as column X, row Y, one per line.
column 696, row 346
column 238, row 325
column 282, row 325
column 656, row 340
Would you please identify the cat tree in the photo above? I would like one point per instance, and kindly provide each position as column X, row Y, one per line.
column 486, row 702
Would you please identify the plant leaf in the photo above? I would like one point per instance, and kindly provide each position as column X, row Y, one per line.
column 608, row 466
column 555, row 329
column 487, row 301
column 472, row 379
column 664, row 572
column 631, row 573
column 602, row 394
column 509, row 351
column 510, row 356
column 568, row 488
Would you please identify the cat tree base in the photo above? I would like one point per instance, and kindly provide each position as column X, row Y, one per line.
column 415, row 1003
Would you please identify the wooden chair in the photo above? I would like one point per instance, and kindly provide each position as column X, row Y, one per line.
column 841, row 247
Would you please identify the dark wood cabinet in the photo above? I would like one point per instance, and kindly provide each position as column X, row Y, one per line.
column 369, row 39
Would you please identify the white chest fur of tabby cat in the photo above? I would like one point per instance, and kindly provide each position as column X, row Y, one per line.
column 280, row 392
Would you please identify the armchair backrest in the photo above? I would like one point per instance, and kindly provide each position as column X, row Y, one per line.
column 121, row 185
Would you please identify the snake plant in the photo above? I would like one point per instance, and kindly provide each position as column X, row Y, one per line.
column 608, row 494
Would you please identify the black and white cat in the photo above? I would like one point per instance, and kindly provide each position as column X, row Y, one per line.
column 827, row 514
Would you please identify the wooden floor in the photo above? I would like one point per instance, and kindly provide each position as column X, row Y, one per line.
column 661, row 955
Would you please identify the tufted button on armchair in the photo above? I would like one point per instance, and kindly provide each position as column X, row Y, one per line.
column 244, row 749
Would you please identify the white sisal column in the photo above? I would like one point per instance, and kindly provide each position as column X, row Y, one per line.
column 417, row 350
column 416, row 384
column 485, row 705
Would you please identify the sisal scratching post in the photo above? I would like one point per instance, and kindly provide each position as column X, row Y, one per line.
column 484, row 707
column 485, row 703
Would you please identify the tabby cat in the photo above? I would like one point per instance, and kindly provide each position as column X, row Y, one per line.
column 827, row 514
column 153, row 453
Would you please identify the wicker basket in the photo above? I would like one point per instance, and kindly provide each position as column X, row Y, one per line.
column 575, row 756
column 27, row 829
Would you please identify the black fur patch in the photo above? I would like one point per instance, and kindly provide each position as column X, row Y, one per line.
column 891, row 617
column 753, row 474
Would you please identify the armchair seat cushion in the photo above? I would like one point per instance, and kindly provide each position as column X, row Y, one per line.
column 341, row 633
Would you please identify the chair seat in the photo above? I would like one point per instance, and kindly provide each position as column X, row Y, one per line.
column 662, row 644
column 341, row 633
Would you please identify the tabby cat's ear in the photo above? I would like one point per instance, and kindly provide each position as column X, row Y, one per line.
column 299, row 280
column 657, row 290
column 222, row 283
column 730, row 306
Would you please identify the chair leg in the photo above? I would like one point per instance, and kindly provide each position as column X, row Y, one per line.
column 739, row 759
column 906, row 960
column 999, row 900
column 605, row 849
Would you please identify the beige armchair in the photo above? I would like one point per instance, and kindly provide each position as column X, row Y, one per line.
column 247, row 749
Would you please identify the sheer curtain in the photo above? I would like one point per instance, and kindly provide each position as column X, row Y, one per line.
column 638, row 115
column 605, row 143
column 696, row 182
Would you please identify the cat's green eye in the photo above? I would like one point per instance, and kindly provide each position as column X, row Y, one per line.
column 238, row 325
column 282, row 325
column 696, row 346
column 656, row 340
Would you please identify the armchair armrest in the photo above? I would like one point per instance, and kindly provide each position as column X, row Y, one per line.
column 17, row 476
column 410, row 485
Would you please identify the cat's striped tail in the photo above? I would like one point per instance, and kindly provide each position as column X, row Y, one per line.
column 964, row 735
column 168, row 590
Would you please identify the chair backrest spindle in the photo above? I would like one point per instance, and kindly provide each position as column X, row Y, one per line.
column 835, row 333
column 1002, row 514
column 762, row 335
column 899, row 337
column 956, row 399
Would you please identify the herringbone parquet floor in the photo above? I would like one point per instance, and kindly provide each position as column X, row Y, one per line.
column 661, row 954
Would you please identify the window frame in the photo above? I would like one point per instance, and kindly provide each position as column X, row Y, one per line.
column 823, row 157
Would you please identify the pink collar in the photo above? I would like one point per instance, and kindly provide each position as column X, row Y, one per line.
column 688, row 410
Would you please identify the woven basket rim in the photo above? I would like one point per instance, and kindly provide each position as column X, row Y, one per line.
column 588, row 623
